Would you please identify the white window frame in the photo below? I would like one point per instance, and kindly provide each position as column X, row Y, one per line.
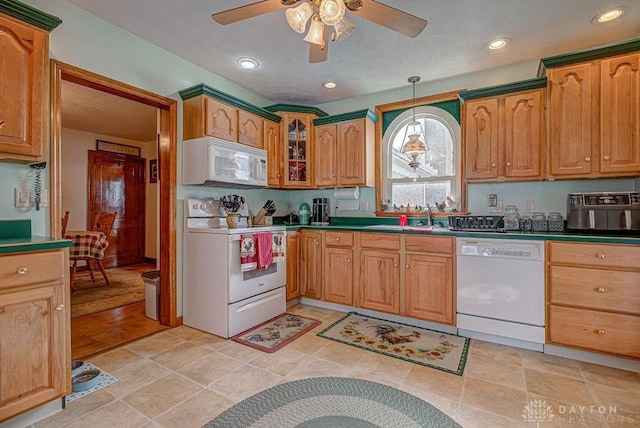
column 397, row 124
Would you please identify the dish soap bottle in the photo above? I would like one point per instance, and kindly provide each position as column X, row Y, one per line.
column 304, row 215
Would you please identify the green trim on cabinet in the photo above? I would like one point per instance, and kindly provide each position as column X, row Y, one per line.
column 587, row 55
column 492, row 91
column 359, row 114
column 29, row 14
column 452, row 107
column 18, row 228
column 202, row 89
column 33, row 243
column 293, row 108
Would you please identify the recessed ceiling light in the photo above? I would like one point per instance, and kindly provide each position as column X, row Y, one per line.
column 498, row 43
column 248, row 63
column 329, row 85
column 609, row 15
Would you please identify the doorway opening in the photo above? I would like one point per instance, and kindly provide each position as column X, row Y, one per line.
column 166, row 173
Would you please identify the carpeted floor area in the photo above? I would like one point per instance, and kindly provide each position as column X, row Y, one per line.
column 126, row 287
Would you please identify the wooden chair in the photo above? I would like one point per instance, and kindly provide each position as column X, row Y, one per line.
column 103, row 223
column 65, row 220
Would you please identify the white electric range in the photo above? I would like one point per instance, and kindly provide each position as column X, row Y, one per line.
column 217, row 296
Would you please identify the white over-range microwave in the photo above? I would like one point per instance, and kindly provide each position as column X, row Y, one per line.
column 215, row 162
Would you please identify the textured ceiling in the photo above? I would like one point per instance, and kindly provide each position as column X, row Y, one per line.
column 373, row 58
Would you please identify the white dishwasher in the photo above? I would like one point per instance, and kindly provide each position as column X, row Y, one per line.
column 501, row 291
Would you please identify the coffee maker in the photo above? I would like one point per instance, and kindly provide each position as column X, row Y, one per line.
column 320, row 215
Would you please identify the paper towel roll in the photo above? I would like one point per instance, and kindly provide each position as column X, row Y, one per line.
column 348, row 199
column 347, row 194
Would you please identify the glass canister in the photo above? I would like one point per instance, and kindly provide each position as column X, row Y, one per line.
column 511, row 218
column 555, row 222
column 525, row 223
column 539, row 222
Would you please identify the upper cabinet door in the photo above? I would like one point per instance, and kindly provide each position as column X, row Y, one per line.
column 273, row 146
column 571, row 120
column 250, row 129
column 352, row 153
column 620, row 114
column 524, row 142
column 24, row 51
column 326, row 156
column 221, row 120
column 481, row 128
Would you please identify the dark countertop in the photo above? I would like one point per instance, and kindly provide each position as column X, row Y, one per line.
column 32, row 243
column 444, row 231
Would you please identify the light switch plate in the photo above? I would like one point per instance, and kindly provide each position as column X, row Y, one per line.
column 21, row 198
column 496, row 209
column 529, row 206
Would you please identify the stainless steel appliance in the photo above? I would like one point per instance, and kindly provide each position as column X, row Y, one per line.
column 603, row 211
column 500, row 291
column 218, row 296
column 477, row 223
column 320, row 216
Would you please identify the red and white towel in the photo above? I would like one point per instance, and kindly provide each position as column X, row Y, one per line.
column 248, row 253
column 265, row 249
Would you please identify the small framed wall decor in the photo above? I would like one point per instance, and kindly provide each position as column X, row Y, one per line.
column 107, row 146
column 153, row 170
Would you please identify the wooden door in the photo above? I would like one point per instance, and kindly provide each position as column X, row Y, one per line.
column 311, row 264
column 429, row 288
column 481, row 135
column 326, row 156
column 250, row 129
column 620, row 114
column 221, row 120
column 352, row 159
column 380, row 280
column 293, row 264
column 338, row 275
column 273, row 146
column 116, row 184
column 572, row 118
column 524, row 135
column 24, row 50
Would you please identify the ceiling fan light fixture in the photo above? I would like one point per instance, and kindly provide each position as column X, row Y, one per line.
column 316, row 32
column 342, row 29
column 331, row 11
column 297, row 17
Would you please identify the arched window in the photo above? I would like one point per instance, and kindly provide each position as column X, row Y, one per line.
column 437, row 176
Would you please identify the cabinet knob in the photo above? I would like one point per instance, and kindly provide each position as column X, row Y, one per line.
column 508, row 163
column 588, row 159
column 395, row 265
column 601, row 256
column 333, row 176
column 407, row 266
column 606, row 157
column 59, row 307
column 22, row 270
column 602, row 290
column 348, row 260
column 337, row 239
column 601, row 332
column 317, row 243
column 342, row 174
column 493, row 165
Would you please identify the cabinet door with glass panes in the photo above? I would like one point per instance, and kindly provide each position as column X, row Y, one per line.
column 298, row 148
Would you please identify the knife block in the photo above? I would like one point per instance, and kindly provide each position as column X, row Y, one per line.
column 261, row 219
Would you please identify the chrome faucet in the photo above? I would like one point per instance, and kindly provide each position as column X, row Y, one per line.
column 427, row 211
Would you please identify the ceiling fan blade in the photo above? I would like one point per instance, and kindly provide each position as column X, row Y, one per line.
column 318, row 53
column 245, row 12
column 394, row 19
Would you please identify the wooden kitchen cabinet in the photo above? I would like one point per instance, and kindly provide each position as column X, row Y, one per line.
column 344, row 155
column 35, row 356
column 338, row 267
column 504, row 133
column 379, row 265
column 592, row 297
column 24, row 49
column 293, row 264
column 273, row 146
column 298, row 148
column 429, row 289
column 250, row 129
column 311, row 264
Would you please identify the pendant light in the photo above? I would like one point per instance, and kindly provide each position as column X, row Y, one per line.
column 414, row 145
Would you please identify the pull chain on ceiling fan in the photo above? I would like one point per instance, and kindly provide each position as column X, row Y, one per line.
column 324, row 14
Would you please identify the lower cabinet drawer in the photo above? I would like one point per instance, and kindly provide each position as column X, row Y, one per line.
column 32, row 268
column 599, row 331
column 339, row 239
column 380, row 241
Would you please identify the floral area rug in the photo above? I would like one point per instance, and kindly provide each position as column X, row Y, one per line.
column 276, row 333
column 442, row 351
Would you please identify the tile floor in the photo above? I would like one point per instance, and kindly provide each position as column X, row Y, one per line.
column 183, row 378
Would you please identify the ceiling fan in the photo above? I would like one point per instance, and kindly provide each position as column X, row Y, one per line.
column 325, row 15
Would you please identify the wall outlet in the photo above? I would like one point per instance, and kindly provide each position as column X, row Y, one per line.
column 529, row 206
